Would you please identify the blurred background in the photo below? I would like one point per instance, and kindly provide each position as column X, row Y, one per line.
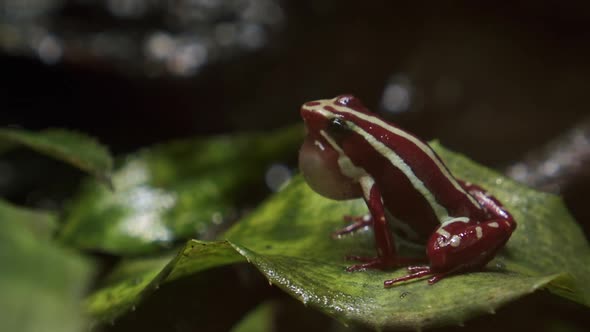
column 491, row 81
column 136, row 72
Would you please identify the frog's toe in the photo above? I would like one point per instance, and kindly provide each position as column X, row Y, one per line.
column 356, row 223
column 414, row 275
column 369, row 263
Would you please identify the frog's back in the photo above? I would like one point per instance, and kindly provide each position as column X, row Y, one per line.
column 411, row 158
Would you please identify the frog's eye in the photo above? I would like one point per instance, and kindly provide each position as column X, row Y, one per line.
column 338, row 128
column 346, row 100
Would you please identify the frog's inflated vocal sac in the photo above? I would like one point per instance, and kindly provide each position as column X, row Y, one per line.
column 350, row 152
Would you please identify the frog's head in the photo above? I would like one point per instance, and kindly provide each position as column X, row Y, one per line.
column 322, row 157
column 329, row 114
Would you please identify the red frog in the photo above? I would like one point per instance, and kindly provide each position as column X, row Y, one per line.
column 350, row 152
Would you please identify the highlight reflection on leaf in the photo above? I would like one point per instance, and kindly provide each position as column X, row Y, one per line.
column 174, row 191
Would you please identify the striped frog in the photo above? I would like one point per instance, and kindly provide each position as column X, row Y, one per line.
column 350, row 152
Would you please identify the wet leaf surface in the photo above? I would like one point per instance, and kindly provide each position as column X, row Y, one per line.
column 287, row 239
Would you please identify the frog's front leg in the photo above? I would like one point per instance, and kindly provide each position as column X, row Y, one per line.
column 356, row 223
column 386, row 253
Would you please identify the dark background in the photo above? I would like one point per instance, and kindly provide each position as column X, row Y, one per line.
column 518, row 76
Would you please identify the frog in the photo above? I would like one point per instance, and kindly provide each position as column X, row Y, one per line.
column 350, row 152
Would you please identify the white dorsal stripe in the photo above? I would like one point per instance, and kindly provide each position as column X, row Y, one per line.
column 416, row 142
column 332, row 103
column 441, row 213
column 349, row 169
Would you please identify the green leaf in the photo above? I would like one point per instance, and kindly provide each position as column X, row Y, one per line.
column 41, row 284
column 299, row 256
column 74, row 148
column 175, row 191
column 42, row 224
column 288, row 240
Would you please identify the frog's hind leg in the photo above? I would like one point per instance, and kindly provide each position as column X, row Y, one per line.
column 419, row 271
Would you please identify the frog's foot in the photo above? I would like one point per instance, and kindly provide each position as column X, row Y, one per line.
column 357, row 222
column 418, row 272
column 379, row 263
column 414, row 272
